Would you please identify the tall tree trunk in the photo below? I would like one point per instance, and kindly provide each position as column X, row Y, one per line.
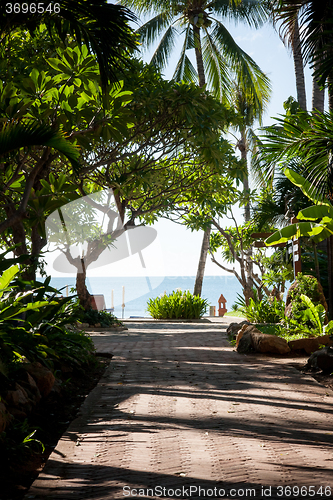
column 243, row 148
column 318, row 95
column 82, row 291
column 198, row 56
column 299, row 67
column 330, row 92
column 206, row 236
column 202, row 263
column 330, row 239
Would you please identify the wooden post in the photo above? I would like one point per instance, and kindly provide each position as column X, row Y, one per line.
column 297, row 263
column 123, row 304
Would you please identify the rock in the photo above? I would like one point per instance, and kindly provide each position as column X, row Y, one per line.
column 29, row 385
column 16, row 413
column 5, row 417
column 263, row 342
column 241, row 332
column 56, row 389
column 97, row 325
column 245, row 344
column 43, row 377
column 322, row 360
column 310, row 344
column 18, row 398
column 234, row 328
column 251, row 339
column 244, row 339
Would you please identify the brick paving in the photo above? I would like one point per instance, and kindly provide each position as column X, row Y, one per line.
column 180, row 414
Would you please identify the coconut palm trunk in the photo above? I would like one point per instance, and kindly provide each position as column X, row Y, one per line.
column 299, row 67
column 206, row 237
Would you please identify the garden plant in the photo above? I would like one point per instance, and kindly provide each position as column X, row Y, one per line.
column 177, row 305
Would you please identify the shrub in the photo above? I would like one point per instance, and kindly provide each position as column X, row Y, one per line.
column 305, row 286
column 93, row 317
column 34, row 325
column 177, row 305
column 266, row 310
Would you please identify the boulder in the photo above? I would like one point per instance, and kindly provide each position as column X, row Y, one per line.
column 263, row 342
column 249, row 339
column 234, row 328
column 245, row 328
column 310, row 344
column 18, row 398
column 29, row 385
column 43, row 377
column 321, row 360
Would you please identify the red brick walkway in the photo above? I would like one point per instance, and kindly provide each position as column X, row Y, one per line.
column 180, row 414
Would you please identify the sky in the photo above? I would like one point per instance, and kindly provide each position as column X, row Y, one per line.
column 176, row 250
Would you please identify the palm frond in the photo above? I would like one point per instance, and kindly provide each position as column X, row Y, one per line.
column 254, row 13
column 308, row 138
column 149, row 7
column 16, row 135
column 185, row 69
column 164, row 49
column 247, row 72
column 152, row 29
column 216, row 70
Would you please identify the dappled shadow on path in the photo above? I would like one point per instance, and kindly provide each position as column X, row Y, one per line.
column 193, row 388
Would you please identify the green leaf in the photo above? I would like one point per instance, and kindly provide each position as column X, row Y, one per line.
column 307, row 188
column 316, row 212
column 34, row 76
column 7, row 277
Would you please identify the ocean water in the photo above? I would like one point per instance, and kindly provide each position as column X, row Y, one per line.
column 138, row 290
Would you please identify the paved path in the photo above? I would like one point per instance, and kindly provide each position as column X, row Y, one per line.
column 180, row 414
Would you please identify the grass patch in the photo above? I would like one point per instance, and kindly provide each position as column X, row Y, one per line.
column 235, row 314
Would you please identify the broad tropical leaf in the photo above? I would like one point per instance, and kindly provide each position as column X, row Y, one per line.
column 307, row 188
column 316, row 212
column 7, row 277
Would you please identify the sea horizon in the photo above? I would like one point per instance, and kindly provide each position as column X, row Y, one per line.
column 138, row 290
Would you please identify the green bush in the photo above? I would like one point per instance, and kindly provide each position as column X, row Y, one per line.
column 177, row 305
column 308, row 286
column 266, row 310
column 35, row 325
column 93, row 317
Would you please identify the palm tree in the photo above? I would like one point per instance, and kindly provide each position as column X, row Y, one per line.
column 219, row 59
column 247, row 114
column 316, row 40
column 290, row 35
column 102, row 26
